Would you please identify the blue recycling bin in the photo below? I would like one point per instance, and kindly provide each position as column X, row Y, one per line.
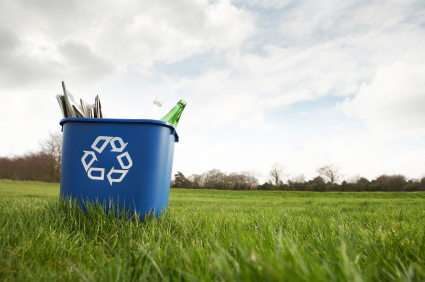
column 127, row 161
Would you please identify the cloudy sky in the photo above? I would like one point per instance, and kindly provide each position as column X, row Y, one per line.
column 302, row 83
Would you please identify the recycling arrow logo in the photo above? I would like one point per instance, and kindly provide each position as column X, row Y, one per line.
column 113, row 142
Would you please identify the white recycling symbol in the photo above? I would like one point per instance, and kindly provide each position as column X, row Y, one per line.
column 107, row 140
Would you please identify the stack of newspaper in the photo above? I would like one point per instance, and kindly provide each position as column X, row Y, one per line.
column 70, row 108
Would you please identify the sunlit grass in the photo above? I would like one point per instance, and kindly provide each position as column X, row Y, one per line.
column 215, row 235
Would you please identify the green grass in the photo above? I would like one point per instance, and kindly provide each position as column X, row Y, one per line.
column 28, row 189
column 210, row 235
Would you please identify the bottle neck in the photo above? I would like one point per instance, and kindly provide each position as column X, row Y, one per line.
column 174, row 115
column 177, row 108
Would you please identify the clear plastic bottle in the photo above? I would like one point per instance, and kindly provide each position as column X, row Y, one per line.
column 153, row 110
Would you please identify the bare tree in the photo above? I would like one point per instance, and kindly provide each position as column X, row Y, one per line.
column 217, row 179
column 251, row 177
column 298, row 179
column 354, row 179
column 331, row 172
column 231, row 179
column 277, row 174
column 198, row 180
column 52, row 146
column 214, row 177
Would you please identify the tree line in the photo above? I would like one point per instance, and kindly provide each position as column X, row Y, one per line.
column 215, row 179
column 329, row 178
column 45, row 164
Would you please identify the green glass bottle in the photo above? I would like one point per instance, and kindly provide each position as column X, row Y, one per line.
column 174, row 115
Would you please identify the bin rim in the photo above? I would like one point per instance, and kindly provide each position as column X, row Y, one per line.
column 118, row 120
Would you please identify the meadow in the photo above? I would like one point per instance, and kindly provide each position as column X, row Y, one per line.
column 211, row 235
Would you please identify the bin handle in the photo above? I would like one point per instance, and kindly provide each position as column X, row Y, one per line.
column 176, row 136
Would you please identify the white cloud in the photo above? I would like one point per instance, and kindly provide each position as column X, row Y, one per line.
column 328, row 49
column 393, row 103
column 95, row 37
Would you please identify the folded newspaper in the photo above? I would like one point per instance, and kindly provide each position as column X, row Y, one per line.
column 70, row 108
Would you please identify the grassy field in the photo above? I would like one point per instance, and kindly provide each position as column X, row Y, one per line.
column 211, row 235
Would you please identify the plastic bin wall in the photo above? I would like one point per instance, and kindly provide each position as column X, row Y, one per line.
column 123, row 160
